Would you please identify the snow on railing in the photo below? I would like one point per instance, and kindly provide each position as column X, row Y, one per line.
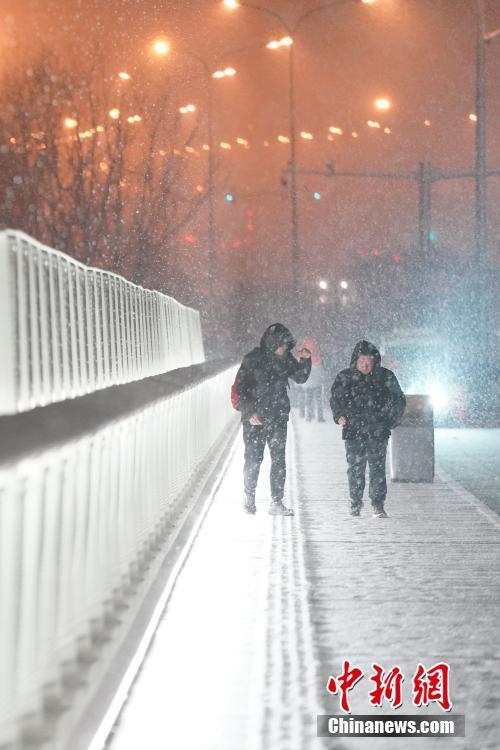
column 82, row 523
column 68, row 329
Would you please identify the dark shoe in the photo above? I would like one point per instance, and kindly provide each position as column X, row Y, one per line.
column 379, row 513
column 355, row 511
column 278, row 509
column 249, row 505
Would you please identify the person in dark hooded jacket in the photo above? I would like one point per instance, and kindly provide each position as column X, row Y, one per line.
column 367, row 400
column 260, row 393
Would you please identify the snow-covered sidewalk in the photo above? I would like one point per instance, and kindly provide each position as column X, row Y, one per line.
column 265, row 609
column 420, row 586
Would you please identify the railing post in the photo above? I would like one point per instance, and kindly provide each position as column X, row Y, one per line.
column 8, row 335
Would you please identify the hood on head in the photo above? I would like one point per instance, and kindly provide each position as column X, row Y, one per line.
column 365, row 347
column 275, row 336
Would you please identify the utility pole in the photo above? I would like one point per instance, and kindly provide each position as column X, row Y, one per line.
column 212, row 256
column 424, row 207
column 482, row 281
column 481, row 236
column 293, row 174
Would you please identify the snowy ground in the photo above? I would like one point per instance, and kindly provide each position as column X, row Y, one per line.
column 266, row 608
column 472, row 457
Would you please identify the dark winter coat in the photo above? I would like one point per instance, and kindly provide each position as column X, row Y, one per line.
column 262, row 380
column 372, row 404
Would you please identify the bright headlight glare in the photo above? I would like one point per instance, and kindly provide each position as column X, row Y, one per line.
column 439, row 397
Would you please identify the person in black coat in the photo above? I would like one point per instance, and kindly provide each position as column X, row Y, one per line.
column 367, row 401
column 260, row 393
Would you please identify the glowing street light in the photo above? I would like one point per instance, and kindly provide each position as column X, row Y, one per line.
column 344, row 284
column 382, row 104
column 123, row 76
column 323, row 284
column 161, row 47
column 114, row 113
column 231, row 4
column 70, row 123
column 188, row 108
column 227, row 72
column 473, row 117
column 285, row 41
column 368, row 2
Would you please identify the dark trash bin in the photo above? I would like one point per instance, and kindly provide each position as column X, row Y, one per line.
column 412, row 442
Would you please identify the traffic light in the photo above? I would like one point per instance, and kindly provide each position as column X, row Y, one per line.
column 229, row 197
column 316, row 196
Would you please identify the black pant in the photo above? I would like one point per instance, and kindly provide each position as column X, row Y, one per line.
column 358, row 453
column 255, row 439
column 307, row 397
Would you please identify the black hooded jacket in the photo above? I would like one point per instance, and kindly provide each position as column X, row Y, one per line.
column 262, row 380
column 372, row 404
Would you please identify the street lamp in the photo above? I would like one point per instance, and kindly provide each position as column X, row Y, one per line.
column 212, row 72
column 287, row 41
column 482, row 38
column 480, row 144
column 226, row 73
column 382, row 104
column 479, row 117
column 161, row 47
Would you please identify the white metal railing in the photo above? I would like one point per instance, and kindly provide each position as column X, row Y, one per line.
column 76, row 522
column 67, row 329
